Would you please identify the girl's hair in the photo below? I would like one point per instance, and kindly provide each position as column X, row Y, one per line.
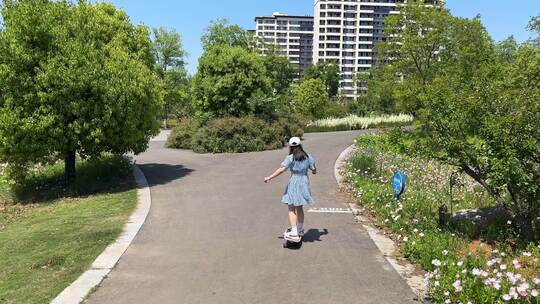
column 298, row 153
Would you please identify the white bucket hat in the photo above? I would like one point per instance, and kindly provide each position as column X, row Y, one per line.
column 294, row 141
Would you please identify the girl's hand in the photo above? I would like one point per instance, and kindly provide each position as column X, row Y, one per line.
column 267, row 179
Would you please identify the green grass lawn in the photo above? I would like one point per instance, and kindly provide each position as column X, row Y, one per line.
column 51, row 237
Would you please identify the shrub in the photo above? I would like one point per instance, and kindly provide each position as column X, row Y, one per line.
column 246, row 134
column 181, row 136
column 498, row 267
column 44, row 182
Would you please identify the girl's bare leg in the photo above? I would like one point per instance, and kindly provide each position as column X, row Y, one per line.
column 300, row 214
column 292, row 216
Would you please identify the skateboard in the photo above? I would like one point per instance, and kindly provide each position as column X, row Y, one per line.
column 290, row 244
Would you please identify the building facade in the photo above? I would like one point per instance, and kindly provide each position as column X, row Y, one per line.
column 346, row 31
column 292, row 35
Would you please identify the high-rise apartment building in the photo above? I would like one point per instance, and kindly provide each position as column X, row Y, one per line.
column 293, row 35
column 346, row 32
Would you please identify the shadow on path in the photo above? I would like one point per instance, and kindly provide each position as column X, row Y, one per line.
column 161, row 174
column 314, row 235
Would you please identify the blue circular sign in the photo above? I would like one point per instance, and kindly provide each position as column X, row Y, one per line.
column 398, row 184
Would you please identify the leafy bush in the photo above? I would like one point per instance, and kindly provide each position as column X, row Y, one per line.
column 233, row 135
column 335, row 109
column 44, row 182
column 182, row 135
column 495, row 268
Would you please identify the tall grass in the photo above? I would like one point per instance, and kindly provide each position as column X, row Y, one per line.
column 354, row 122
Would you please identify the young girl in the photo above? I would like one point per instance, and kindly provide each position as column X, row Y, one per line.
column 297, row 193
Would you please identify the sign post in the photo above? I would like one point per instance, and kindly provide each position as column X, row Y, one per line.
column 398, row 184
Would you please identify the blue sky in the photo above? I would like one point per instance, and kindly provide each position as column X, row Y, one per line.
column 190, row 17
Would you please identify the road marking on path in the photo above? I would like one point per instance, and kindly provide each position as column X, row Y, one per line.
column 331, row 210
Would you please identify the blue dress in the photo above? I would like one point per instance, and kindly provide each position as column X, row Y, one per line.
column 298, row 192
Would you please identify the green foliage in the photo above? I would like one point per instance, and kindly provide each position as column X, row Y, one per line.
column 477, row 102
column 334, row 109
column 170, row 68
column 234, row 135
column 280, row 71
column 328, row 73
column 73, row 77
column 227, row 78
column 380, row 97
column 221, row 34
column 413, row 221
column 507, row 49
column 310, row 99
column 413, row 56
column 231, row 134
column 364, row 164
column 182, row 134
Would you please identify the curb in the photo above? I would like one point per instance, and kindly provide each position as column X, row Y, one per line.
column 105, row 262
column 385, row 244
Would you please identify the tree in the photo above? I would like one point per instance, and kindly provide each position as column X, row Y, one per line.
column 170, row 68
column 220, row 33
column 417, row 38
column 74, row 78
column 227, row 78
column 534, row 26
column 310, row 99
column 507, row 49
column 477, row 112
column 380, row 97
column 280, row 71
column 328, row 73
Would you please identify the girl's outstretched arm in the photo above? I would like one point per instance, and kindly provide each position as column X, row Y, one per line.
column 276, row 173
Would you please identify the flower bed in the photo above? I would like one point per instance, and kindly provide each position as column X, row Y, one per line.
column 353, row 122
column 492, row 267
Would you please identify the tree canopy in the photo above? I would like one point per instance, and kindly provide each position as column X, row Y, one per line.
column 310, row 98
column 227, row 78
column 170, row 68
column 476, row 103
column 221, row 33
column 74, row 78
column 328, row 73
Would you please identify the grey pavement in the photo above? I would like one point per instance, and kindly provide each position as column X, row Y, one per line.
column 212, row 236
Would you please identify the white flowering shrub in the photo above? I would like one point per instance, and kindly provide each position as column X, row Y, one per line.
column 460, row 269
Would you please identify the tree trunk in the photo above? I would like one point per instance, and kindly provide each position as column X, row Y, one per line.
column 526, row 229
column 69, row 167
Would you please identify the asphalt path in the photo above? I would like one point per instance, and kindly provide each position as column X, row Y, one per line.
column 212, row 236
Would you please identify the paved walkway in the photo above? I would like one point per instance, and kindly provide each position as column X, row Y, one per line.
column 212, row 236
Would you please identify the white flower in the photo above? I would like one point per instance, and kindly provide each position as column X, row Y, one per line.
column 506, row 297
column 460, row 263
column 445, row 252
column 446, row 293
column 503, row 266
column 436, row 262
column 509, row 222
column 457, row 286
column 527, row 254
column 536, row 281
column 421, row 234
column 534, row 293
